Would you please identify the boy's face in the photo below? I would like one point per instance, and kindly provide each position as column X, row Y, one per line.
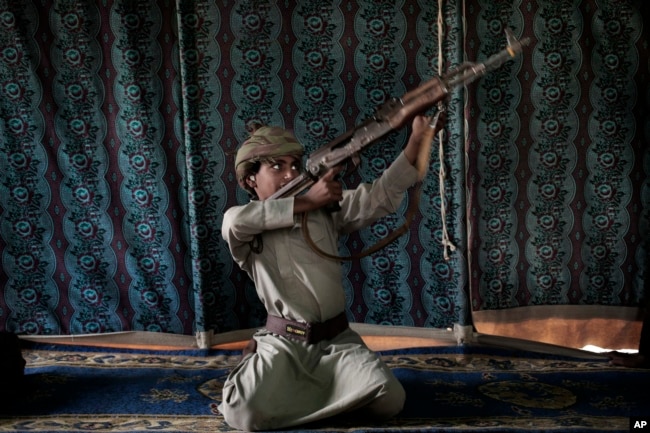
column 274, row 175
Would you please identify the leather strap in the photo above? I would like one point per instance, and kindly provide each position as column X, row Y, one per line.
column 392, row 236
column 311, row 333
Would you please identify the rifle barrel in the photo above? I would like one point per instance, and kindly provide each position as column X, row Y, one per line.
column 293, row 188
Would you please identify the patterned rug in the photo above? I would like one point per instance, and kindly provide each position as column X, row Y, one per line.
column 453, row 389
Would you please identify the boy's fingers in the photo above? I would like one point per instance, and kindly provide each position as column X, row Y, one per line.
column 332, row 172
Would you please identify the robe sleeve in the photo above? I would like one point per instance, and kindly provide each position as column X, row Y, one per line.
column 368, row 202
column 242, row 223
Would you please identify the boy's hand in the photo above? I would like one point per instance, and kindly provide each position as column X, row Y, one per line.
column 326, row 191
column 420, row 127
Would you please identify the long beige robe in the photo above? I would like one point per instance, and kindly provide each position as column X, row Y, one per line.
column 287, row 382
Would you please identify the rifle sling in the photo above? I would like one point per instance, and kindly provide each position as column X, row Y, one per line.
column 412, row 209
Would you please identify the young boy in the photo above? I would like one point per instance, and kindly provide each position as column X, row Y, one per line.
column 306, row 364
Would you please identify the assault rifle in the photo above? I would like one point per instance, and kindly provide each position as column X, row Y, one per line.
column 392, row 115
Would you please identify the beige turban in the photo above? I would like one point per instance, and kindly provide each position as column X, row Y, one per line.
column 265, row 142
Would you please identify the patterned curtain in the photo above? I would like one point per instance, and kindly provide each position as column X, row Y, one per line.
column 558, row 156
column 119, row 121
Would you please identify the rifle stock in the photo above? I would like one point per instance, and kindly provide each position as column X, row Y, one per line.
column 394, row 114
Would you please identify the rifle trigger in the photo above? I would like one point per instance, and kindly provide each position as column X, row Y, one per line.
column 356, row 160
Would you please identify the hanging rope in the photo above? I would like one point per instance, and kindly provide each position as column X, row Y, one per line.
column 447, row 245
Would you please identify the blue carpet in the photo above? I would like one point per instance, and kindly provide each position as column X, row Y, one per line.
column 453, row 389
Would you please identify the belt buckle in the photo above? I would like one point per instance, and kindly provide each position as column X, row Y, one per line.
column 302, row 332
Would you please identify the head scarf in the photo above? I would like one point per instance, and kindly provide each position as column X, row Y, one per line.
column 265, row 142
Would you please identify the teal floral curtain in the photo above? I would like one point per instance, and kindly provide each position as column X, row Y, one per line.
column 94, row 229
column 119, row 121
column 558, row 156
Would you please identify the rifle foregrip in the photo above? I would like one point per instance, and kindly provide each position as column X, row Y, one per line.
column 418, row 101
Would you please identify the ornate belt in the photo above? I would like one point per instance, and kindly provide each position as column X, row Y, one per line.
column 311, row 333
